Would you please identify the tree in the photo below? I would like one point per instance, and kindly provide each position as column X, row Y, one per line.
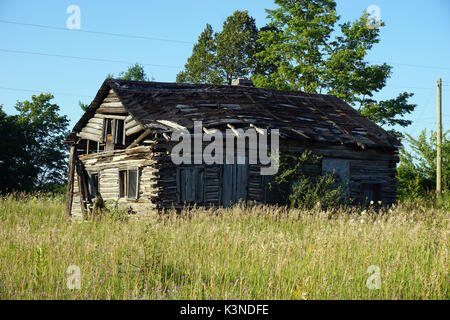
column 201, row 66
column 308, row 59
column 220, row 58
column 83, row 106
column 35, row 157
column 236, row 46
column 14, row 172
column 135, row 72
column 416, row 172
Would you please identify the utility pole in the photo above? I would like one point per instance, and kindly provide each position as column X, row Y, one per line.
column 439, row 141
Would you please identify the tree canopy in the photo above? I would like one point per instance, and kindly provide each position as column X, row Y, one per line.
column 303, row 47
column 310, row 55
column 135, row 72
column 33, row 155
column 219, row 58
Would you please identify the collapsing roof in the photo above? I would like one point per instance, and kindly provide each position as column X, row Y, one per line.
column 297, row 115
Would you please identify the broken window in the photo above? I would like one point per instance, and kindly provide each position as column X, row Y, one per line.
column 114, row 131
column 119, row 132
column 190, row 184
column 93, row 185
column 129, row 183
column 107, row 130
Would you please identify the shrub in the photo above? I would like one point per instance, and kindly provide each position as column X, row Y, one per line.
column 300, row 184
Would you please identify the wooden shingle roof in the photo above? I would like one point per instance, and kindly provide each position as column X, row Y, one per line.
column 298, row 115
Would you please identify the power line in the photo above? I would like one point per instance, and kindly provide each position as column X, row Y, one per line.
column 123, row 35
column 84, row 58
column 61, row 93
column 145, row 64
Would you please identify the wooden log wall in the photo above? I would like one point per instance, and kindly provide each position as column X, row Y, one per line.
column 112, row 108
column 107, row 166
column 366, row 167
column 158, row 175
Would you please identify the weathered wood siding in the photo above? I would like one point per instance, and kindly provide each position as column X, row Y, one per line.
column 108, row 164
column 112, row 108
column 76, row 202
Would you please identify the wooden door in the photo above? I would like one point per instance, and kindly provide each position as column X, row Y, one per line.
column 234, row 183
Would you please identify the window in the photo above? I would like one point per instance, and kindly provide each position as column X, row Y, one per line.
column 341, row 169
column 93, row 185
column 119, row 132
column 107, row 129
column 128, row 184
column 190, row 185
column 132, row 184
column 114, row 131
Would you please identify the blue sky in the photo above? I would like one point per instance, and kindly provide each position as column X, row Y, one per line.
column 415, row 41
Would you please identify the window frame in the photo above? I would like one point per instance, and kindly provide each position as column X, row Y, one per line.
column 115, row 126
column 94, row 184
column 124, row 184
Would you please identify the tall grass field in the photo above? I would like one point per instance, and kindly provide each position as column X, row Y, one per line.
column 258, row 252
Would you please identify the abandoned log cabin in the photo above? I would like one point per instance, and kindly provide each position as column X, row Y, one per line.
column 120, row 149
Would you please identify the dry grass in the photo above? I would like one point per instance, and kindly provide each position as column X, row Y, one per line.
column 252, row 253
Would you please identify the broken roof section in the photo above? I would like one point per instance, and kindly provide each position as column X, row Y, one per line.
column 298, row 115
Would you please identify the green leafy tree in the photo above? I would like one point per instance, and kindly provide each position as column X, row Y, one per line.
column 310, row 55
column 35, row 153
column 416, row 172
column 236, row 47
column 135, row 72
column 219, row 58
column 15, row 174
column 201, row 66
column 83, row 106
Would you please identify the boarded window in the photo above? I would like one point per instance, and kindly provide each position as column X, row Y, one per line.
column 370, row 192
column 128, row 184
column 190, row 185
